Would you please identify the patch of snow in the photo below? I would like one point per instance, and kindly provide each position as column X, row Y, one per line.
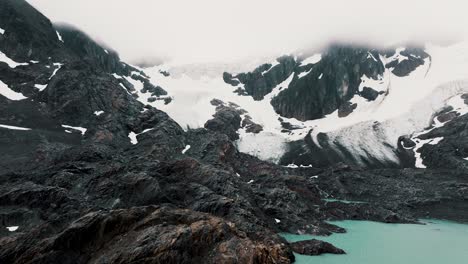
column 369, row 55
column 185, row 149
column 40, row 87
column 273, row 64
column 9, row 93
column 14, row 127
column 2, row 31
column 106, row 51
column 320, row 77
column 277, row 220
column 312, row 59
column 12, row 228
column 81, row 129
column 250, row 182
column 382, row 84
column 59, row 36
column 302, row 74
column 125, row 88
column 314, row 177
column 11, row 63
column 292, row 166
column 237, row 174
column 34, row 62
column 98, row 113
column 133, row 138
column 59, row 66
column 266, row 145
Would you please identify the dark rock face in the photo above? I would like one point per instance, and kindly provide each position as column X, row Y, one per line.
column 264, row 78
column 158, row 234
column 250, row 126
column 346, row 109
column 414, row 57
column 327, row 85
column 315, row 247
column 87, row 49
column 28, row 34
column 228, row 120
column 369, row 93
column 450, row 147
column 330, row 84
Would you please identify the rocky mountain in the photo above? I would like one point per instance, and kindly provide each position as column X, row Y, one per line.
column 104, row 162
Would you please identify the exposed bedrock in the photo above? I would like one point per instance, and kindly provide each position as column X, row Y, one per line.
column 315, row 247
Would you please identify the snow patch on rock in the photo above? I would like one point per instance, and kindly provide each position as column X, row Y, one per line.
column 185, row 149
column 81, row 129
column 9, row 93
column 14, row 127
column 12, row 228
column 40, row 87
column 59, row 36
column 98, row 113
column 312, row 59
column 11, row 63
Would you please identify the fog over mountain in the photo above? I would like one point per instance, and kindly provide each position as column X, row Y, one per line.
column 213, row 30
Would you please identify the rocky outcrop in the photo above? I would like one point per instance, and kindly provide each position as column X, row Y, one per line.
column 412, row 58
column 443, row 145
column 226, row 120
column 315, row 247
column 145, row 235
column 320, row 88
column 229, row 118
column 264, row 78
column 330, row 83
column 369, row 93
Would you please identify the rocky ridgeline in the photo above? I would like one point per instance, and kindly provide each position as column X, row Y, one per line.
column 320, row 87
column 81, row 191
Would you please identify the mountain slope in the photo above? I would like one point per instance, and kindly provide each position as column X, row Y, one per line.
column 92, row 171
column 312, row 108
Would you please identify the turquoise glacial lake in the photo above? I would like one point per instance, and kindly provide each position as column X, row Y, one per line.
column 437, row 242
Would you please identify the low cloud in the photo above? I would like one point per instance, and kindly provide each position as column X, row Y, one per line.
column 215, row 30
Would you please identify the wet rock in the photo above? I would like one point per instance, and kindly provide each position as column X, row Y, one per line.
column 315, row 247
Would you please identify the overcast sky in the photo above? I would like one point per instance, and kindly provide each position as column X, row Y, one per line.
column 214, row 30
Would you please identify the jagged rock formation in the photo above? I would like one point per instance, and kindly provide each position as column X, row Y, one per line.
column 264, row 78
column 443, row 144
column 329, row 84
column 322, row 87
